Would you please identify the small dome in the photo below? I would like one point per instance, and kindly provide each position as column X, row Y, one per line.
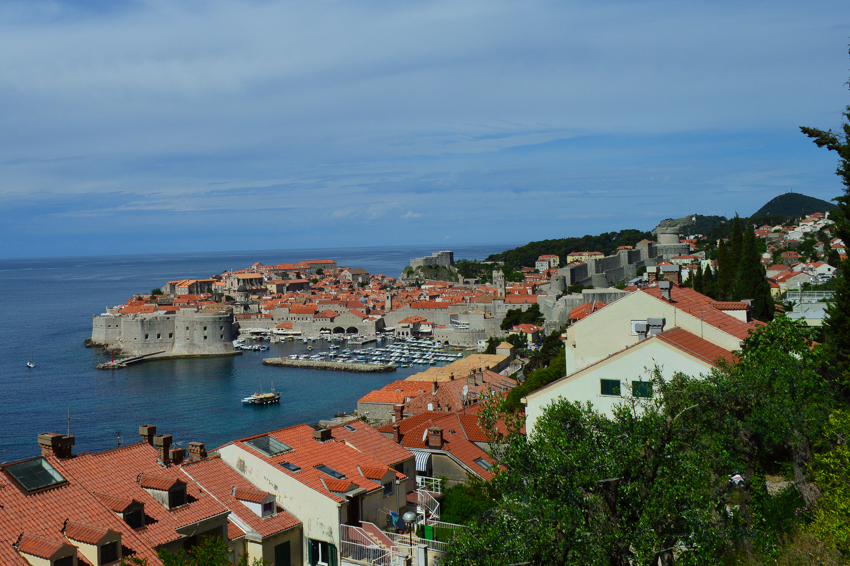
column 363, row 300
column 242, row 289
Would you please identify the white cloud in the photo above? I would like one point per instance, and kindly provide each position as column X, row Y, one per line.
column 411, row 214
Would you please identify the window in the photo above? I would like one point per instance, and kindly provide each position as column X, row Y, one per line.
column 67, row 561
column 171, row 335
column 349, row 428
column 388, row 489
column 135, row 518
column 109, row 552
column 483, row 463
column 330, row 471
column 158, row 336
column 146, row 336
column 177, row 497
column 35, row 474
column 642, row 389
column 291, row 467
column 268, row 508
column 610, row 387
column 321, row 552
column 268, row 445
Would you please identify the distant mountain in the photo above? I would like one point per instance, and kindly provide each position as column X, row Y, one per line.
column 792, row 205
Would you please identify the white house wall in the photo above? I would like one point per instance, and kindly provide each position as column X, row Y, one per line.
column 628, row 366
column 609, row 329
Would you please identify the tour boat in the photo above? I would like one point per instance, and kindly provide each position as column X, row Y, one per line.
column 263, row 398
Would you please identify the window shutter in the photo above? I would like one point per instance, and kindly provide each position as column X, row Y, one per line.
column 310, row 553
column 331, row 555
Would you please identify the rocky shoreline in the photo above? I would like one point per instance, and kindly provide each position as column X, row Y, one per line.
column 335, row 366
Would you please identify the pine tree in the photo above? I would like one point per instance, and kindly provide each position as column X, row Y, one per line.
column 725, row 273
column 751, row 282
column 838, row 314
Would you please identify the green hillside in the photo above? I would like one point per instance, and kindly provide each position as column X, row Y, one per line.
column 525, row 256
column 792, row 205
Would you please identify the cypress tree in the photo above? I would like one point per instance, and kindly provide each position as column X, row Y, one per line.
column 725, row 273
column 698, row 285
column 709, row 282
column 837, row 322
column 735, row 243
column 751, row 282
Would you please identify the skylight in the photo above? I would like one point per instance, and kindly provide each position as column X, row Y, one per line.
column 330, row 471
column 35, row 474
column 268, row 445
column 483, row 463
column 291, row 467
column 349, row 427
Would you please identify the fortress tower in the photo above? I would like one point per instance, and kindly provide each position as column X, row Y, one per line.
column 499, row 282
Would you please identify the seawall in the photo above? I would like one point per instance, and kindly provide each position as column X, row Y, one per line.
column 335, row 366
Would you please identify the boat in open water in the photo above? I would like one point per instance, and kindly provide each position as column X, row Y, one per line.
column 263, row 398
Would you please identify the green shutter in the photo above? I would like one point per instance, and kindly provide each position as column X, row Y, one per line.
column 331, row 555
column 310, row 559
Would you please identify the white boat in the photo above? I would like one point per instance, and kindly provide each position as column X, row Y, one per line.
column 30, row 365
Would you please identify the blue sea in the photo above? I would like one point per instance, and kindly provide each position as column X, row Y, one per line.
column 47, row 314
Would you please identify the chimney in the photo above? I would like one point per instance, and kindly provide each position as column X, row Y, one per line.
column 479, row 376
column 452, row 376
column 53, row 444
column 398, row 413
column 470, row 379
column 397, row 433
column 434, row 387
column 197, row 451
column 163, row 445
column 665, row 287
column 435, row 438
column 178, row 455
column 147, row 432
column 322, row 434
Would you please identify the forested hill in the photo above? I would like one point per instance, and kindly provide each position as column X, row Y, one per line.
column 792, row 205
column 607, row 243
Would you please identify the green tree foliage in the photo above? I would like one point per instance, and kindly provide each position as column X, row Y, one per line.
column 709, row 283
column 771, row 404
column 838, row 319
column 586, row 489
column 735, row 242
column 463, row 504
column 538, row 378
column 212, row 551
column 492, row 344
column 751, row 282
column 531, row 315
column 607, row 242
column 698, row 280
column 155, row 292
column 832, row 474
column 725, row 273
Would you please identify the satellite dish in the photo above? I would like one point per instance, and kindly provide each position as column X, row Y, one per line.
column 465, row 390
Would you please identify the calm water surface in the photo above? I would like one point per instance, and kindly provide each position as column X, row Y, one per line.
column 48, row 306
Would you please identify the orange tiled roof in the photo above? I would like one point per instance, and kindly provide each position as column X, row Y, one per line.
column 696, row 346
column 84, row 533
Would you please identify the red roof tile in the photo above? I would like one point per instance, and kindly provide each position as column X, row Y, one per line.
column 84, row 533
column 35, row 545
column 157, row 482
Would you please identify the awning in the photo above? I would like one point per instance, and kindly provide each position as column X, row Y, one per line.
column 422, row 459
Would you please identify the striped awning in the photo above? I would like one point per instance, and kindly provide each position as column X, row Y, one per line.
column 422, row 459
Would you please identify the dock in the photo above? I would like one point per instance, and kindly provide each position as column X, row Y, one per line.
column 335, row 366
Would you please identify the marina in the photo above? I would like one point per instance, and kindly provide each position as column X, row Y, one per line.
column 191, row 398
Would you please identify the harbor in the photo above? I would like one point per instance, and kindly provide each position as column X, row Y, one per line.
column 329, row 365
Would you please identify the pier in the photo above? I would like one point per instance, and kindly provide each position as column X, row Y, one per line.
column 335, row 366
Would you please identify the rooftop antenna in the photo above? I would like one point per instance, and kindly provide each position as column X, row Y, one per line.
column 118, row 434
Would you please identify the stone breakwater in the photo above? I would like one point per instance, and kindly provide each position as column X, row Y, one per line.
column 335, row 366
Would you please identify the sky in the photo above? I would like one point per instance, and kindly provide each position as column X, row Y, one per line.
column 153, row 126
